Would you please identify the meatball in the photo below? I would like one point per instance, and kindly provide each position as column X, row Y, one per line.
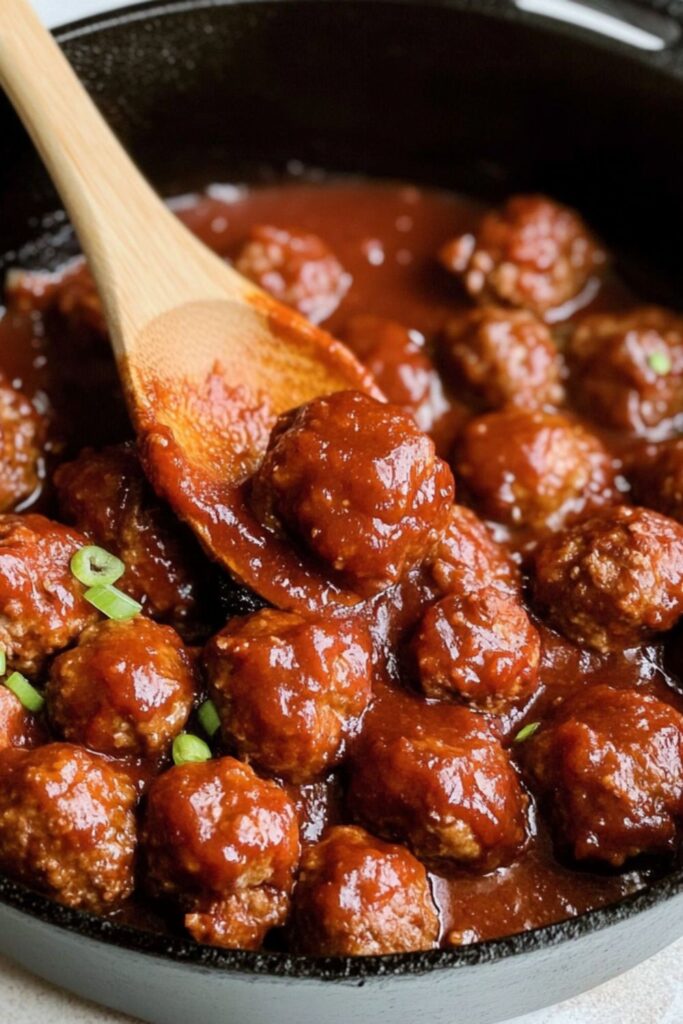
column 127, row 688
column 106, row 495
column 435, row 776
column 359, row 483
column 534, row 469
column 478, row 647
column 225, row 845
column 358, row 896
column 531, row 253
column 610, row 764
column 296, row 268
column 67, row 825
column 467, row 558
column 501, row 356
column 18, row 727
column 397, row 360
column 612, row 580
column 20, row 447
column 42, row 608
column 290, row 690
column 627, row 370
column 656, row 478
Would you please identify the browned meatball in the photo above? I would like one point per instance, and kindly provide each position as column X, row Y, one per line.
column 656, row 477
column 358, row 896
column 613, row 580
column 42, row 608
column 359, row 483
column 610, row 765
column 290, row 690
column 627, row 370
column 18, row 727
column 531, row 252
column 435, row 777
column 501, row 357
column 534, row 469
column 467, row 557
column 296, row 268
column 225, row 844
column 127, row 688
column 20, row 447
column 397, row 360
column 478, row 647
column 67, row 825
column 106, row 495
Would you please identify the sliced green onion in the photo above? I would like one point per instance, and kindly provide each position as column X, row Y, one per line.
column 27, row 694
column 112, row 602
column 92, row 566
column 660, row 363
column 188, row 748
column 527, row 731
column 208, row 718
column 3, row 662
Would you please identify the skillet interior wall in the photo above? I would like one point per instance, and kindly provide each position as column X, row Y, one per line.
column 473, row 99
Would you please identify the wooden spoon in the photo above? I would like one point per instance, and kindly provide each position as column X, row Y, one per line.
column 207, row 360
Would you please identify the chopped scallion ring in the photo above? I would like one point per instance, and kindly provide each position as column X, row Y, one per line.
column 3, row 662
column 112, row 602
column 660, row 363
column 527, row 731
column 208, row 718
column 93, row 565
column 27, row 694
column 188, row 748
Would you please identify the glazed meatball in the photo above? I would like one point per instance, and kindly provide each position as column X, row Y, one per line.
column 67, row 825
column 610, row 765
column 42, row 608
column 225, row 845
column 627, row 370
column 290, row 690
column 531, row 253
column 18, row 727
column 20, row 447
column 467, row 558
column 656, row 478
column 296, row 268
column 106, row 495
column 534, row 469
column 397, row 360
column 127, row 688
column 503, row 357
column 359, row 483
column 478, row 647
column 435, row 777
column 612, row 580
column 358, row 896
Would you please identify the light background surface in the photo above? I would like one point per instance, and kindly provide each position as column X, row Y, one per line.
column 649, row 994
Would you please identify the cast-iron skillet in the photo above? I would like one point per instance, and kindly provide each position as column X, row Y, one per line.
column 470, row 95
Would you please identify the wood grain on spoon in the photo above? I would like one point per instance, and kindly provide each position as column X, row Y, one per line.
column 207, row 359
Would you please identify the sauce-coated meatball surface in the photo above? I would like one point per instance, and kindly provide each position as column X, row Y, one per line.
column 359, row 896
column 225, row 845
column 534, row 469
column 611, row 767
column 435, row 777
column 656, row 477
column 467, row 557
column 358, row 483
column 290, row 690
column 612, row 580
column 478, row 647
column 296, row 268
column 531, row 252
column 502, row 356
column 67, row 825
column 18, row 727
column 42, row 608
column 126, row 688
column 20, row 446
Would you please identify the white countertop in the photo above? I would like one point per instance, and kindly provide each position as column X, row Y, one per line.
column 649, row 994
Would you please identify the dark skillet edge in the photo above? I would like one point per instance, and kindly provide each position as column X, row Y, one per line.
column 281, row 965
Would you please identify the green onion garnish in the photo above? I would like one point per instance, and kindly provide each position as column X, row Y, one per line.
column 188, row 748
column 27, row 694
column 660, row 363
column 3, row 662
column 93, row 565
column 112, row 602
column 527, row 732
column 208, row 718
